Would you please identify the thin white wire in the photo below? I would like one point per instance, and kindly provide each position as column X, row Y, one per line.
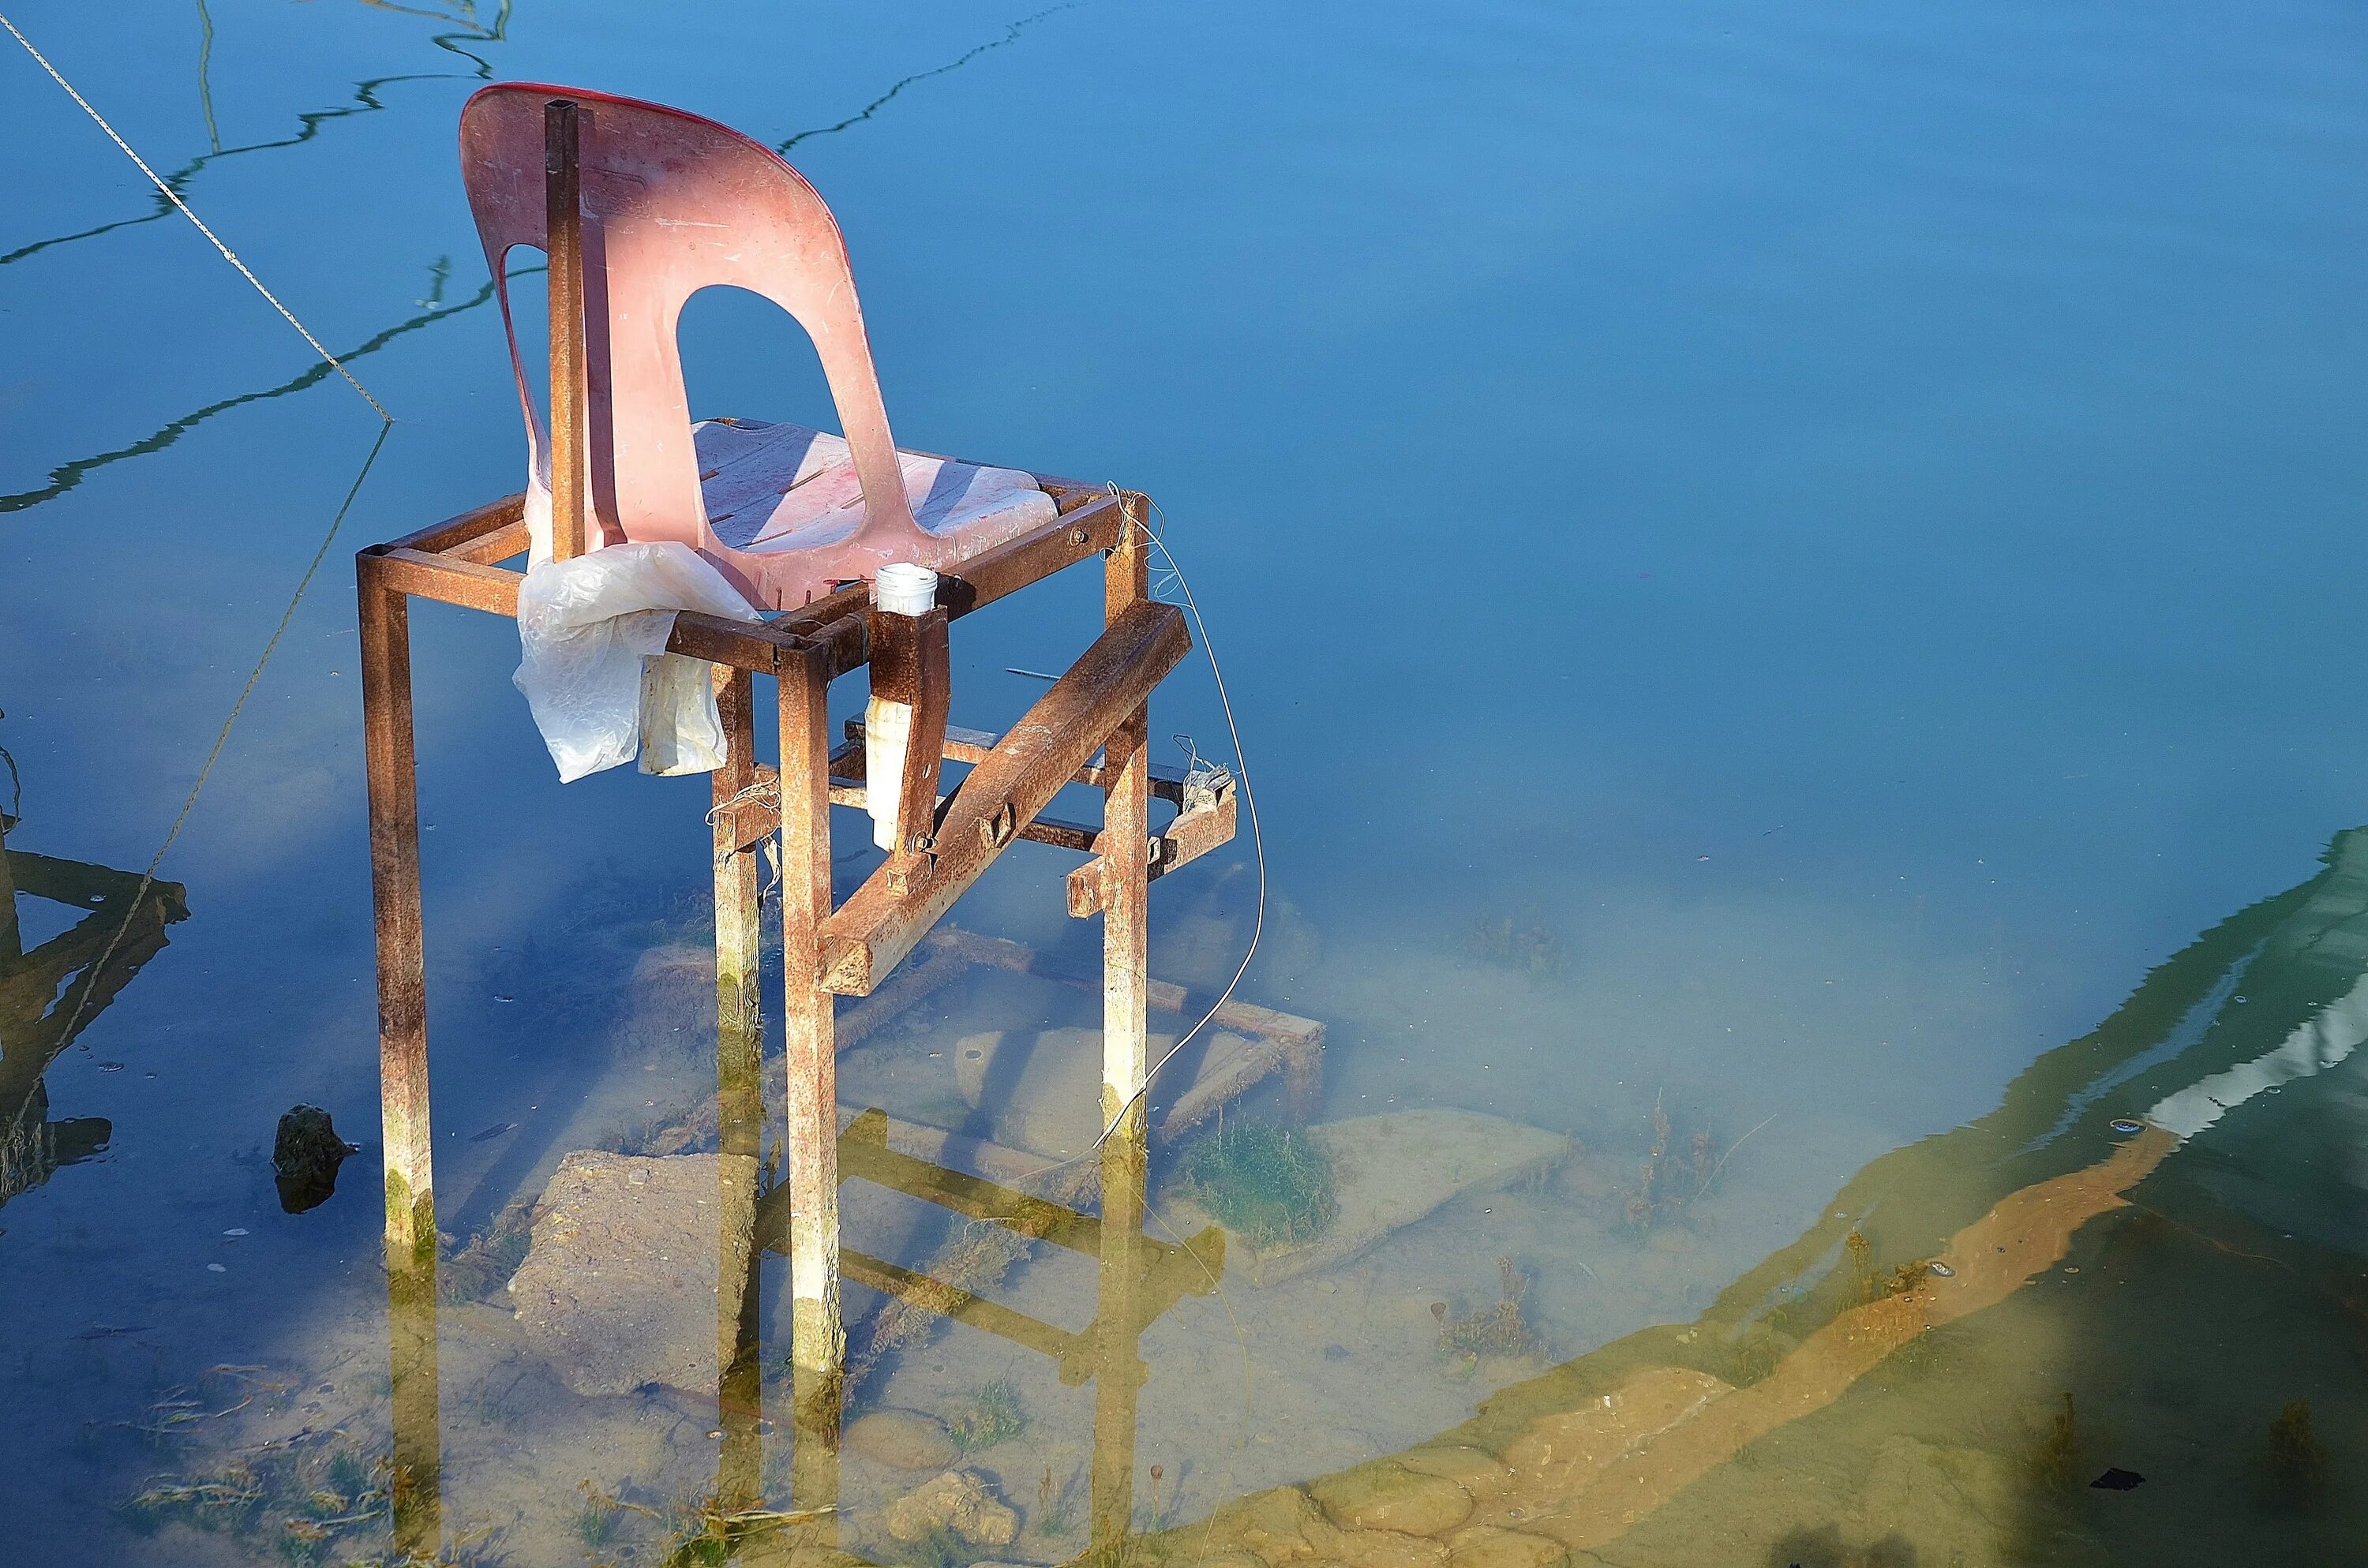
column 175, row 198
column 1249, row 803
column 205, row 769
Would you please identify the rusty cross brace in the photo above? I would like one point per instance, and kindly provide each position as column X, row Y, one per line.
column 942, row 848
column 896, row 906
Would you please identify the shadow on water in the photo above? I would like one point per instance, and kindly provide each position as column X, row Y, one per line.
column 50, row 992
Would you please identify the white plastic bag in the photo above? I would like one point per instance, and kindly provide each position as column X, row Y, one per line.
column 593, row 632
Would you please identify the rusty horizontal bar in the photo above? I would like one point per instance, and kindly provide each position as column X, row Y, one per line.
column 1032, row 557
column 452, row 561
column 760, row 646
column 968, row 745
column 509, row 541
column 1192, row 834
column 427, row 577
column 880, row 923
column 475, row 524
column 1057, row 832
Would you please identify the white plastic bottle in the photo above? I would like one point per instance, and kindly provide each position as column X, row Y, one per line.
column 900, row 589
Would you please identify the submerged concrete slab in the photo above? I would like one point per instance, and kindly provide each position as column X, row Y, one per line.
column 621, row 1287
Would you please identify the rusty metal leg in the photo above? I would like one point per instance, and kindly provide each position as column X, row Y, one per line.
column 1124, row 850
column 741, row 1101
column 1118, row 1370
column 818, row 1340
column 415, row 1489
column 385, row 626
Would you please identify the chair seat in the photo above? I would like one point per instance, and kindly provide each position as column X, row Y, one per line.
column 775, row 488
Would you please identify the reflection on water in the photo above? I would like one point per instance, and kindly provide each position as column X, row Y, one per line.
column 1985, row 1350
column 50, row 992
column 309, row 125
column 776, row 1487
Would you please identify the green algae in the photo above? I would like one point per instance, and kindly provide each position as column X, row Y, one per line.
column 1268, row 1185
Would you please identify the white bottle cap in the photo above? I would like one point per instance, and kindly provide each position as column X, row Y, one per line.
column 903, row 588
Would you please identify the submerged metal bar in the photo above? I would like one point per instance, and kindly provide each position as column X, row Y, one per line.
column 1118, row 1320
column 12, row 945
column 415, row 1486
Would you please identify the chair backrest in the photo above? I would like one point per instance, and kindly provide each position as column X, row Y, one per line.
column 672, row 203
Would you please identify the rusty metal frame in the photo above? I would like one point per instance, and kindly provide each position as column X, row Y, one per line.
column 458, row 561
column 1090, row 727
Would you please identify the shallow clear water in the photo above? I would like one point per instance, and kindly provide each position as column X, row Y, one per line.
column 1775, row 569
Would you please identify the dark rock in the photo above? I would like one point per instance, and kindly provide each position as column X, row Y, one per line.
column 305, row 1157
column 2118, row 1480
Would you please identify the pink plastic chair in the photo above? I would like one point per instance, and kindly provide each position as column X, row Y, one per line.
column 672, row 204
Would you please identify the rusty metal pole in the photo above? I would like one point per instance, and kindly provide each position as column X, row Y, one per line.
column 385, row 628
column 809, row 1148
column 564, row 214
column 818, row 1339
column 741, row 1101
column 1124, row 850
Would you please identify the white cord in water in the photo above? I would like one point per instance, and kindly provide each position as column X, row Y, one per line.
column 175, row 198
column 1258, row 843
